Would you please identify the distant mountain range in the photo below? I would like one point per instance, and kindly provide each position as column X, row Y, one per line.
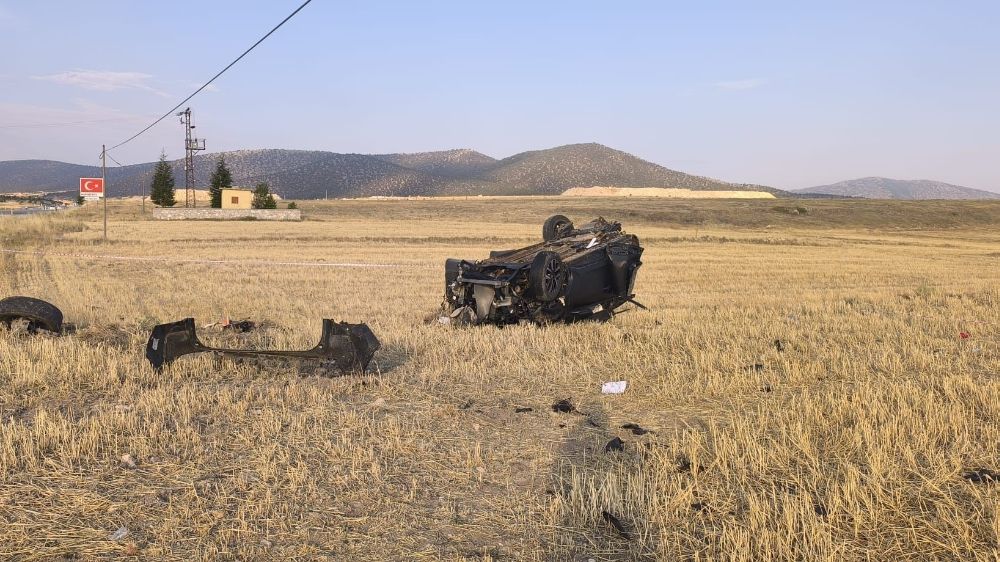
column 885, row 188
column 300, row 174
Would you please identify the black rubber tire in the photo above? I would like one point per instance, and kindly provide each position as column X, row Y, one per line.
column 38, row 313
column 547, row 276
column 556, row 227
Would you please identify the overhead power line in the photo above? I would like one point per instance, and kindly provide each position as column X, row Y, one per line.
column 120, row 165
column 221, row 72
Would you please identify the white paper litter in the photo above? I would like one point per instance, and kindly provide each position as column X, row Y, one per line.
column 118, row 535
column 593, row 242
column 614, row 387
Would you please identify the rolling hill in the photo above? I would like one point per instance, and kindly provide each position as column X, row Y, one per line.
column 302, row 174
column 886, row 188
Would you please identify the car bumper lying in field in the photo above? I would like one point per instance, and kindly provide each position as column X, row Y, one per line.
column 343, row 347
column 574, row 274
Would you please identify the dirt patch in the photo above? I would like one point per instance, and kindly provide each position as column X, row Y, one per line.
column 675, row 193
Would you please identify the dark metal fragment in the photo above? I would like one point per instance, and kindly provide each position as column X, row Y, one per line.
column 342, row 346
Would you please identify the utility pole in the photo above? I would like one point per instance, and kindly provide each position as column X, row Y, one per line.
column 104, row 182
column 191, row 145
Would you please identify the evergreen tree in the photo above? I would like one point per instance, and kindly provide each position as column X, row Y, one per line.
column 162, row 191
column 221, row 178
column 262, row 198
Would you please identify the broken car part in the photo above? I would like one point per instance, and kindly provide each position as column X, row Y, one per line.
column 342, row 346
column 573, row 274
column 37, row 313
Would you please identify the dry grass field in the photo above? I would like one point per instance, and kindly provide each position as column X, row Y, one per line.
column 802, row 370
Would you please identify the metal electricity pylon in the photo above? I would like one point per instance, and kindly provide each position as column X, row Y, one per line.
column 191, row 145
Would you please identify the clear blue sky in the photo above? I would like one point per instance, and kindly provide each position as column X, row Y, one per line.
column 789, row 94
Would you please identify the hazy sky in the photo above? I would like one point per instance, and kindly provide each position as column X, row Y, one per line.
column 789, row 94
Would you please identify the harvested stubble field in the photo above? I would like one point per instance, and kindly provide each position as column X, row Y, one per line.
column 802, row 368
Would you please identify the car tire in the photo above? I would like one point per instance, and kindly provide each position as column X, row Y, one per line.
column 38, row 313
column 547, row 276
column 556, row 227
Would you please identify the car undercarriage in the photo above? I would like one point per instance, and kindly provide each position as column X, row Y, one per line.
column 573, row 274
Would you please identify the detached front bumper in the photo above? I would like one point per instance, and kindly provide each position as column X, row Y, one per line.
column 342, row 346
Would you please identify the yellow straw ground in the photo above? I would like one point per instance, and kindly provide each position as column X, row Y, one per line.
column 801, row 368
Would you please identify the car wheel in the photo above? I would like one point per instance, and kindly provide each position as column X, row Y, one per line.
column 556, row 227
column 38, row 313
column 547, row 276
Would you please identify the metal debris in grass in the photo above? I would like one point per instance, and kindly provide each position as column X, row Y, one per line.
column 636, row 429
column 981, row 476
column 614, row 445
column 242, row 326
column 343, row 348
column 564, row 406
column 684, row 464
column 615, row 522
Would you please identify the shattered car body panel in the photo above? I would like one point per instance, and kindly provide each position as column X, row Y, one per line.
column 574, row 274
column 342, row 346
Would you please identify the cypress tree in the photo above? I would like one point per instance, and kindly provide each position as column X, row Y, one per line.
column 262, row 198
column 221, row 178
column 162, row 191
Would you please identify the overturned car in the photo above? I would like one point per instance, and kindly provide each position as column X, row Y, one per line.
column 575, row 273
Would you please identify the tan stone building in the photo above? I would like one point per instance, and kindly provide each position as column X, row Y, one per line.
column 236, row 198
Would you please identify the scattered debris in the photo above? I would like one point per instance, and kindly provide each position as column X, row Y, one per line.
column 617, row 524
column 684, row 464
column 756, row 367
column 242, row 326
column 964, row 335
column 119, row 534
column 468, row 404
column 981, row 476
column 573, row 274
column 128, row 461
column 563, row 406
column 779, row 345
column 820, row 509
column 522, row 410
column 766, row 388
column 38, row 314
column 614, row 445
column 614, row 387
column 636, row 429
column 700, row 507
column 342, row 347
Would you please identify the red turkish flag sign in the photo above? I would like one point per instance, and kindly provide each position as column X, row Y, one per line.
column 93, row 186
